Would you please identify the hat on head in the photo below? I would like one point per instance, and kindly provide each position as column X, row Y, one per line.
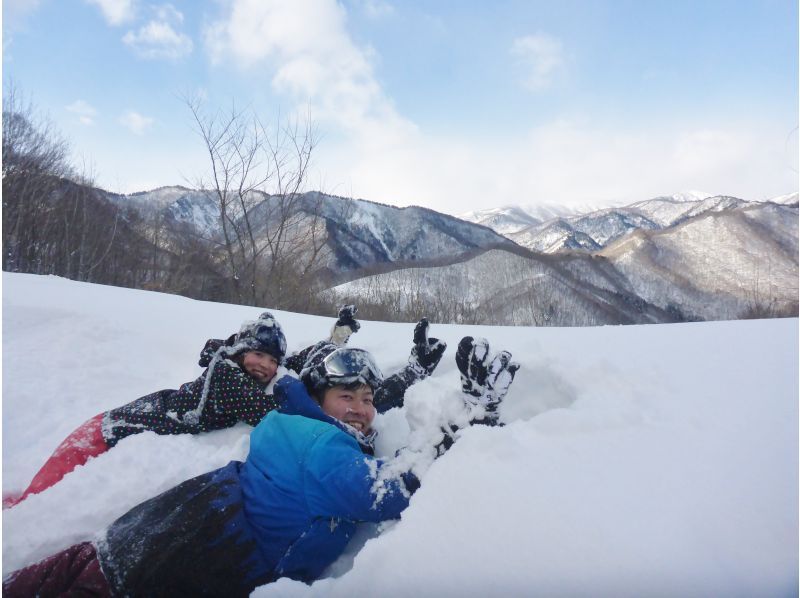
column 330, row 365
column 263, row 334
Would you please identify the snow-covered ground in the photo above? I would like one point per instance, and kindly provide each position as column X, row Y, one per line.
column 637, row 461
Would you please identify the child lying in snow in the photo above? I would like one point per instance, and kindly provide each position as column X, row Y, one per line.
column 288, row 511
column 237, row 385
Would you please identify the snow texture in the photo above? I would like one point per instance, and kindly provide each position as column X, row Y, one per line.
column 635, row 461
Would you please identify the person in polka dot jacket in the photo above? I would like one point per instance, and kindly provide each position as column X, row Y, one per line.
column 237, row 385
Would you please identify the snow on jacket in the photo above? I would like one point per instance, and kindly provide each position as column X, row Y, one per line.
column 308, row 481
column 288, row 511
column 222, row 396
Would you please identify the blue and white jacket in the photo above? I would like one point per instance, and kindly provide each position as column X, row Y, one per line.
column 288, row 511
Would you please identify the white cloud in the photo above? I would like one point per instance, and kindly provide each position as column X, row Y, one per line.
column 137, row 123
column 313, row 60
column 567, row 162
column 116, row 12
column 84, row 111
column 542, row 57
column 376, row 153
column 158, row 39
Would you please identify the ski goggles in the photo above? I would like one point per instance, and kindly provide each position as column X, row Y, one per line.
column 350, row 365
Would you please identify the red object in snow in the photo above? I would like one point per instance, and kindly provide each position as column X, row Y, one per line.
column 84, row 443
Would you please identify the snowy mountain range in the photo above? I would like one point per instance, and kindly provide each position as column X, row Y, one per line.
column 716, row 264
column 687, row 256
column 595, row 229
column 360, row 234
column 661, row 260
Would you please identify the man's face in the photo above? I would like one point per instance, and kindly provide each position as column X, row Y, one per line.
column 353, row 407
column 261, row 366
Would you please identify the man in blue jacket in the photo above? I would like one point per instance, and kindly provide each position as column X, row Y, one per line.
column 288, row 511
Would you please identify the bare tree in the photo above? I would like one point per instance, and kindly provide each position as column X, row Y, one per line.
column 34, row 159
column 54, row 221
column 273, row 237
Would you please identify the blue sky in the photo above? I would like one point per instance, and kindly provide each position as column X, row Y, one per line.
column 455, row 105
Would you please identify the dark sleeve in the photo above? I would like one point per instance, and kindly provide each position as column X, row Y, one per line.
column 151, row 413
column 296, row 361
column 165, row 412
column 450, row 433
column 192, row 540
column 393, row 389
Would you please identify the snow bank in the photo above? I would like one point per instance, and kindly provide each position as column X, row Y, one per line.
column 642, row 460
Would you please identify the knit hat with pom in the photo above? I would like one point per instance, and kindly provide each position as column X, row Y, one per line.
column 263, row 334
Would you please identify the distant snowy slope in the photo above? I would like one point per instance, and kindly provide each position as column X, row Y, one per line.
column 509, row 220
column 198, row 209
column 499, row 287
column 157, row 199
column 505, row 221
column 668, row 211
column 360, row 233
column 554, row 236
column 719, row 265
column 727, row 260
column 789, row 199
column 636, row 461
column 585, row 232
column 556, row 229
column 592, row 230
column 691, row 195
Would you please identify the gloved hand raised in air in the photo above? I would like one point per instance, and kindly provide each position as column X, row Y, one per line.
column 426, row 352
column 345, row 325
column 425, row 356
column 484, row 381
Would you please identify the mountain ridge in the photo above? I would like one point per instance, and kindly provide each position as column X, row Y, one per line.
column 640, row 263
column 595, row 229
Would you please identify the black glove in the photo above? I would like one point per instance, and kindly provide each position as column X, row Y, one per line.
column 448, row 439
column 499, row 377
column 426, row 352
column 484, row 381
column 212, row 346
column 345, row 325
column 471, row 358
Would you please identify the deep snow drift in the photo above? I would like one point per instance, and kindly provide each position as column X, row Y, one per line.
column 640, row 460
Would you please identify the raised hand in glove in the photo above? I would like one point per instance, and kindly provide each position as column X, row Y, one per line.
column 426, row 352
column 472, row 357
column 345, row 325
column 485, row 381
